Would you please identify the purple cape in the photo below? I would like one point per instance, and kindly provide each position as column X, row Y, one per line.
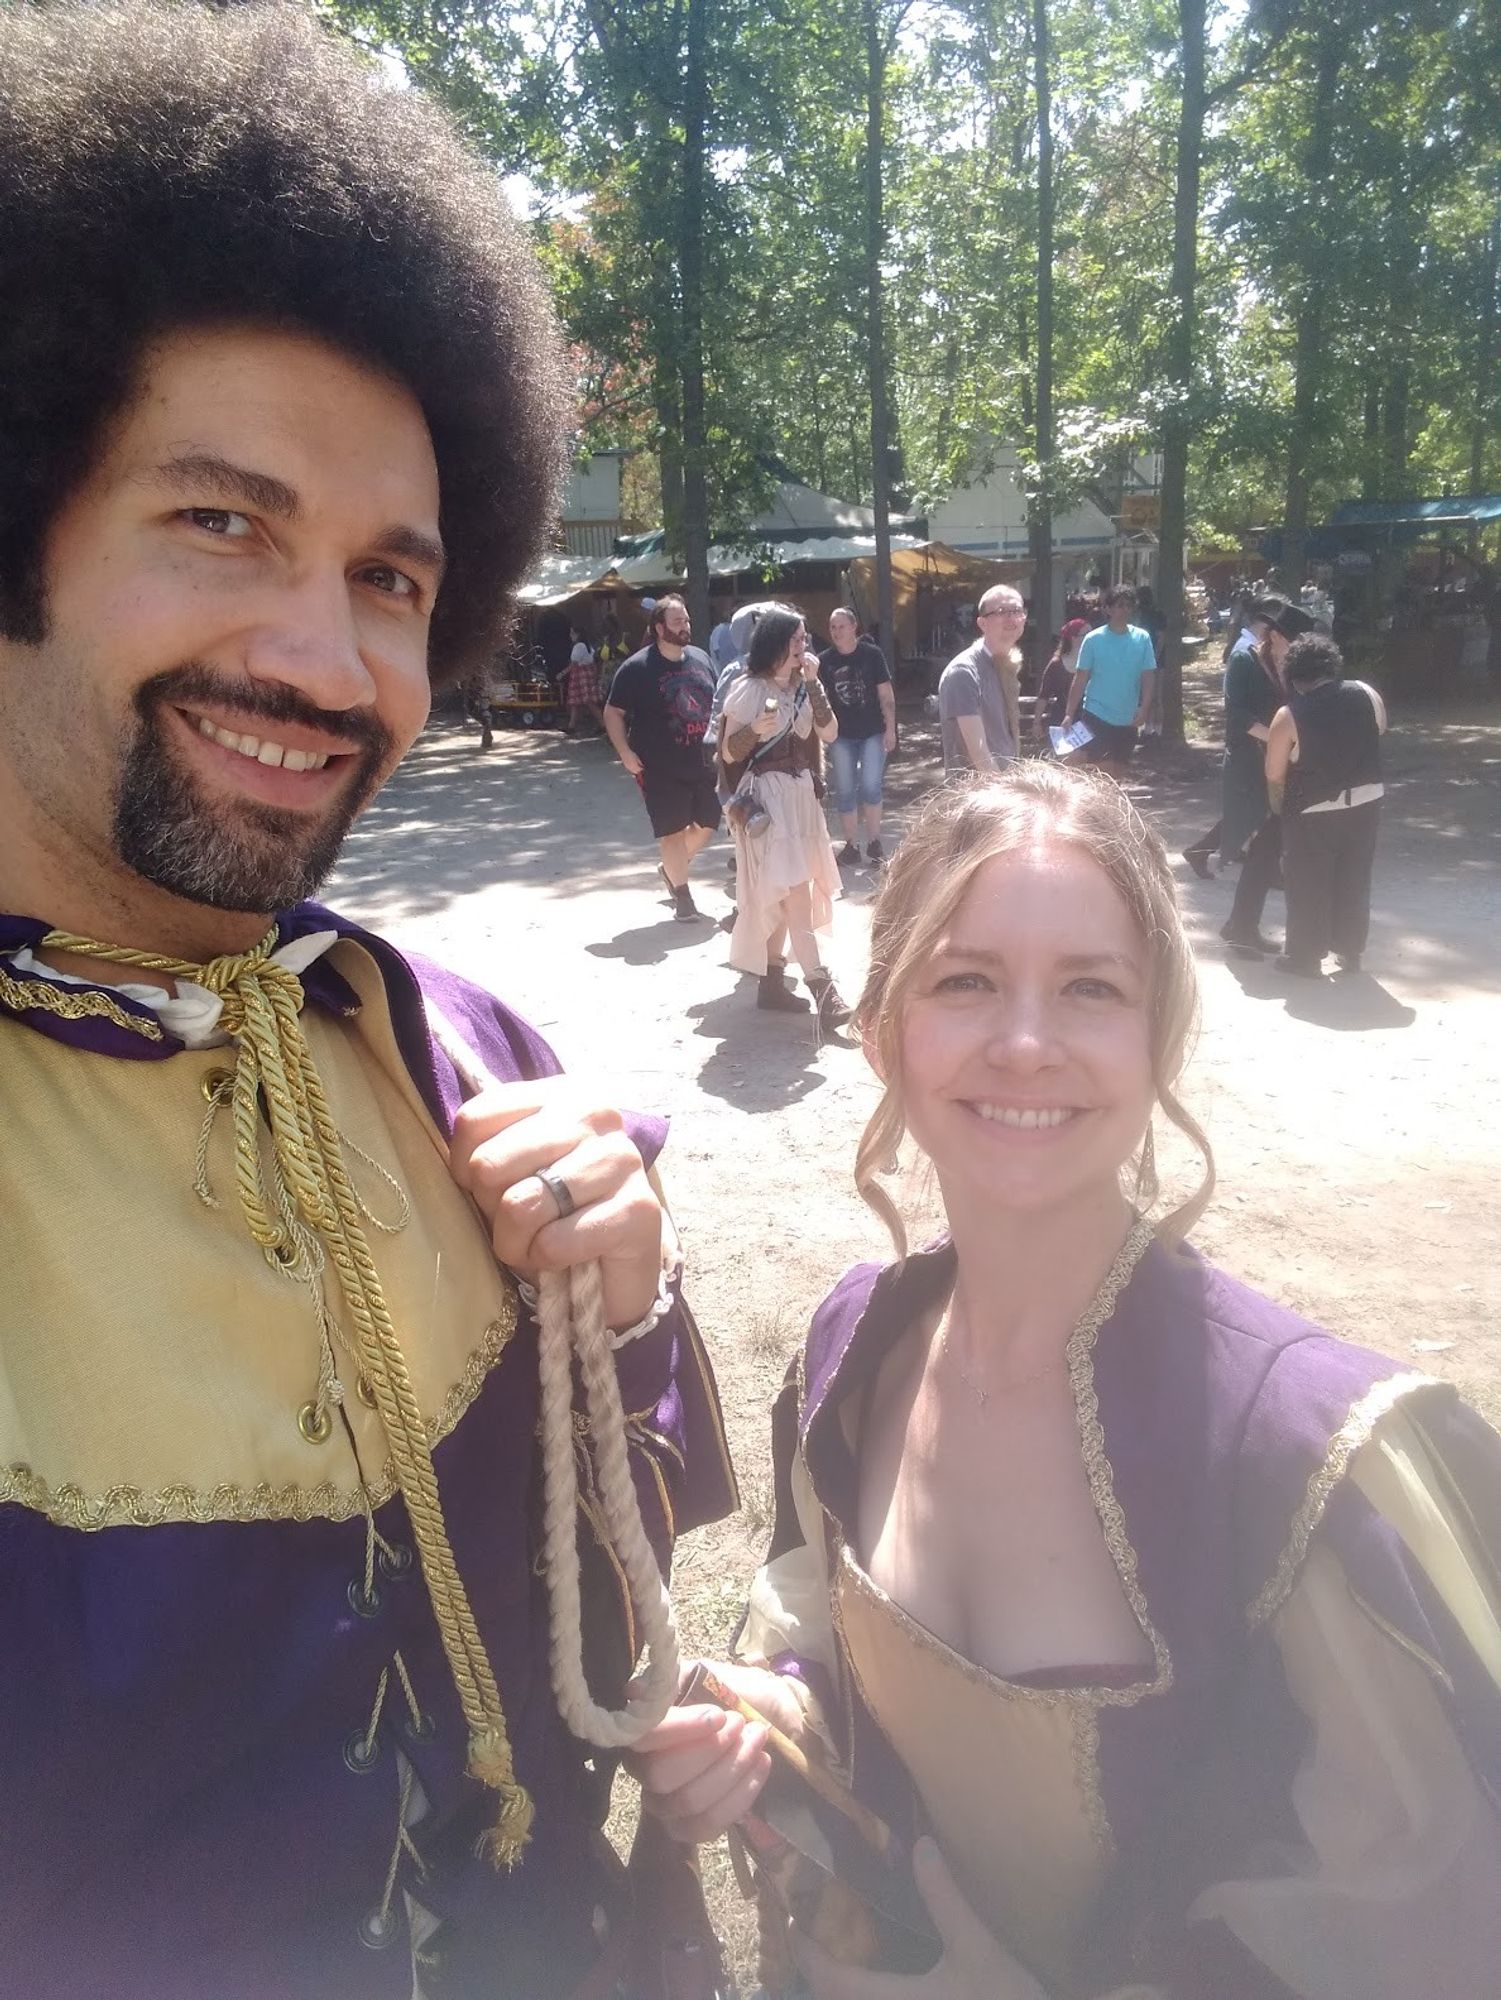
column 1226, row 1424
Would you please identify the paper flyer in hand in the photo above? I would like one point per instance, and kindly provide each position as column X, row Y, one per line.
column 1068, row 742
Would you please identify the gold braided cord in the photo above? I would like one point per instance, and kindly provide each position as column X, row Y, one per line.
column 262, row 1005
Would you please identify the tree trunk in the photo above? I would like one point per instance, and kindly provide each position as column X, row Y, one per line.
column 1178, row 422
column 691, row 270
column 1309, row 350
column 1485, row 365
column 1040, row 505
column 875, row 244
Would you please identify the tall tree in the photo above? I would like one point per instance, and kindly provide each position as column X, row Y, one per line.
column 1040, row 508
column 1309, row 255
column 1182, row 302
column 880, row 26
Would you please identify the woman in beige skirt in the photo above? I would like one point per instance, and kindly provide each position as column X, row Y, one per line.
column 786, row 878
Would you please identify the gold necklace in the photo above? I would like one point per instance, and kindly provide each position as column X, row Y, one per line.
column 983, row 1396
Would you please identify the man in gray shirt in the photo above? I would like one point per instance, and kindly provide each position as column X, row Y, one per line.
column 977, row 692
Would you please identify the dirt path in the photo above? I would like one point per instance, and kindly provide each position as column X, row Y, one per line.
column 1355, row 1124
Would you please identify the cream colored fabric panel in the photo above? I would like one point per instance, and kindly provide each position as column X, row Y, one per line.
column 152, row 1362
column 789, row 1609
column 1396, row 1897
column 1398, row 1474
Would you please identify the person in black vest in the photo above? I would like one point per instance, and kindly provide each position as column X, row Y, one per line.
column 1323, row 770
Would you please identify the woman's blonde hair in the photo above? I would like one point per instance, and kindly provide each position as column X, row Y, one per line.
column 958, row 831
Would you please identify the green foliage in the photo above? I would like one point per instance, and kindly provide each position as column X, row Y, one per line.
column 1352, row 164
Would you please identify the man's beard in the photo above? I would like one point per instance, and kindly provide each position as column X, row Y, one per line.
column 234, row 854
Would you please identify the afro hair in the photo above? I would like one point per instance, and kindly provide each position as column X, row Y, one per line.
column 164, row 163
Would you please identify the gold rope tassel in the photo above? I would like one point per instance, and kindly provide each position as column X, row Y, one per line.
column 262, row 1013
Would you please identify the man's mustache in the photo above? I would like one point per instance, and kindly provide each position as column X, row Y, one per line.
column 268, row 701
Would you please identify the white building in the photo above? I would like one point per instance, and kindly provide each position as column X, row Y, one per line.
column 988, row 517
column 591, row 505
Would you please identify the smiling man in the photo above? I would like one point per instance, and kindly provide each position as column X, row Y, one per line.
column 280, row 430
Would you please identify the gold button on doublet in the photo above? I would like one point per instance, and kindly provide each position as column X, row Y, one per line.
column 213, row 1081
column 364, row 1388
column 315, row 1423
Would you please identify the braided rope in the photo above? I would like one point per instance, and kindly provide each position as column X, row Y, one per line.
column 262, row 1005
column 571, row 1318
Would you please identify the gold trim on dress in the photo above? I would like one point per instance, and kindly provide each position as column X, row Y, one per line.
column 1079, row 1355
column 83, row 1003
column 1355, row 1431
column 69, row 1506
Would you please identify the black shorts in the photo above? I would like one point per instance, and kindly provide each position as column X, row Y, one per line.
column 676, row 800
column 1113, row 741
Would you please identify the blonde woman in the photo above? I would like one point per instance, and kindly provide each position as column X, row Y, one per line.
column 1167, row 1615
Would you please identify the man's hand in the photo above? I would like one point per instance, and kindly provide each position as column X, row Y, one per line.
column 632, row 762
column 701, row 1769
column 500, row 1140
column 974, row 1965
column 889, row 740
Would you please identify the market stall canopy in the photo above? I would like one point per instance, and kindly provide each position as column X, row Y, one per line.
column 934, row 572
column 1461, row 510
column 1371, row 525
column 557, row 578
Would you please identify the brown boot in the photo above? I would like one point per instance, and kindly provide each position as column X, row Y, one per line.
column 832, row 1012
column 775, row 995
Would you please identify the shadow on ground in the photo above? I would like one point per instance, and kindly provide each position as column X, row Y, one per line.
column 763, row 1062
column 454, row 818
column 1351, row 1001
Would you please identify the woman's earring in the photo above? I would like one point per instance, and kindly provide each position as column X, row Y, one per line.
column 1146, row 1172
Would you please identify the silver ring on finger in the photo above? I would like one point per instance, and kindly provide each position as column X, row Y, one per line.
column 559, row 1189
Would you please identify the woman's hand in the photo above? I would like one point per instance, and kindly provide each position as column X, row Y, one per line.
column 702, row 1768
column 510, row 1132
column 767, row 722
column 974, row 1965
column 808, row 664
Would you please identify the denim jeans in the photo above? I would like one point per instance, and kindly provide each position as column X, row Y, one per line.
column 858, row 764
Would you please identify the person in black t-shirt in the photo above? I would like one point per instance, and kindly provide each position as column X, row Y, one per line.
column 656, row 717
column 857, row 681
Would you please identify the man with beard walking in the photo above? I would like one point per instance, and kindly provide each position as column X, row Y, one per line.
column 281, row 422
column 657, row 718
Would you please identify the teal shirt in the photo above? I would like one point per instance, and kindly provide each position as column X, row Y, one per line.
column 1115, row 663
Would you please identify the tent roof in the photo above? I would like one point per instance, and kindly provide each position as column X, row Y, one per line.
column 1429, row 513
column 557, row 578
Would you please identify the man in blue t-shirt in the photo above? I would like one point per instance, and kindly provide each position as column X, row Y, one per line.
column 1113, row 678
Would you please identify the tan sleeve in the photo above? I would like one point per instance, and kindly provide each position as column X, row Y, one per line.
column 1397, row 1894
column 789, row 1606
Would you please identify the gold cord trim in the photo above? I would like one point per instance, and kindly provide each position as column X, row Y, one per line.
column 1355, row 1431
column 69, row 1506
column 82, row 1003
column 275, row 1075
column 1079, row 1355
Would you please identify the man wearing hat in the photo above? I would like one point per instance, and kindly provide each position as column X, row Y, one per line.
column 1261, row 872
column 1253, row 694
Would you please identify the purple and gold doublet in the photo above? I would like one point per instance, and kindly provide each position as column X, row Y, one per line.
column 1225, row 1444
column 232, row 1755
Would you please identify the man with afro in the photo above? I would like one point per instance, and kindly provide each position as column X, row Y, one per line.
column 281, row 420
